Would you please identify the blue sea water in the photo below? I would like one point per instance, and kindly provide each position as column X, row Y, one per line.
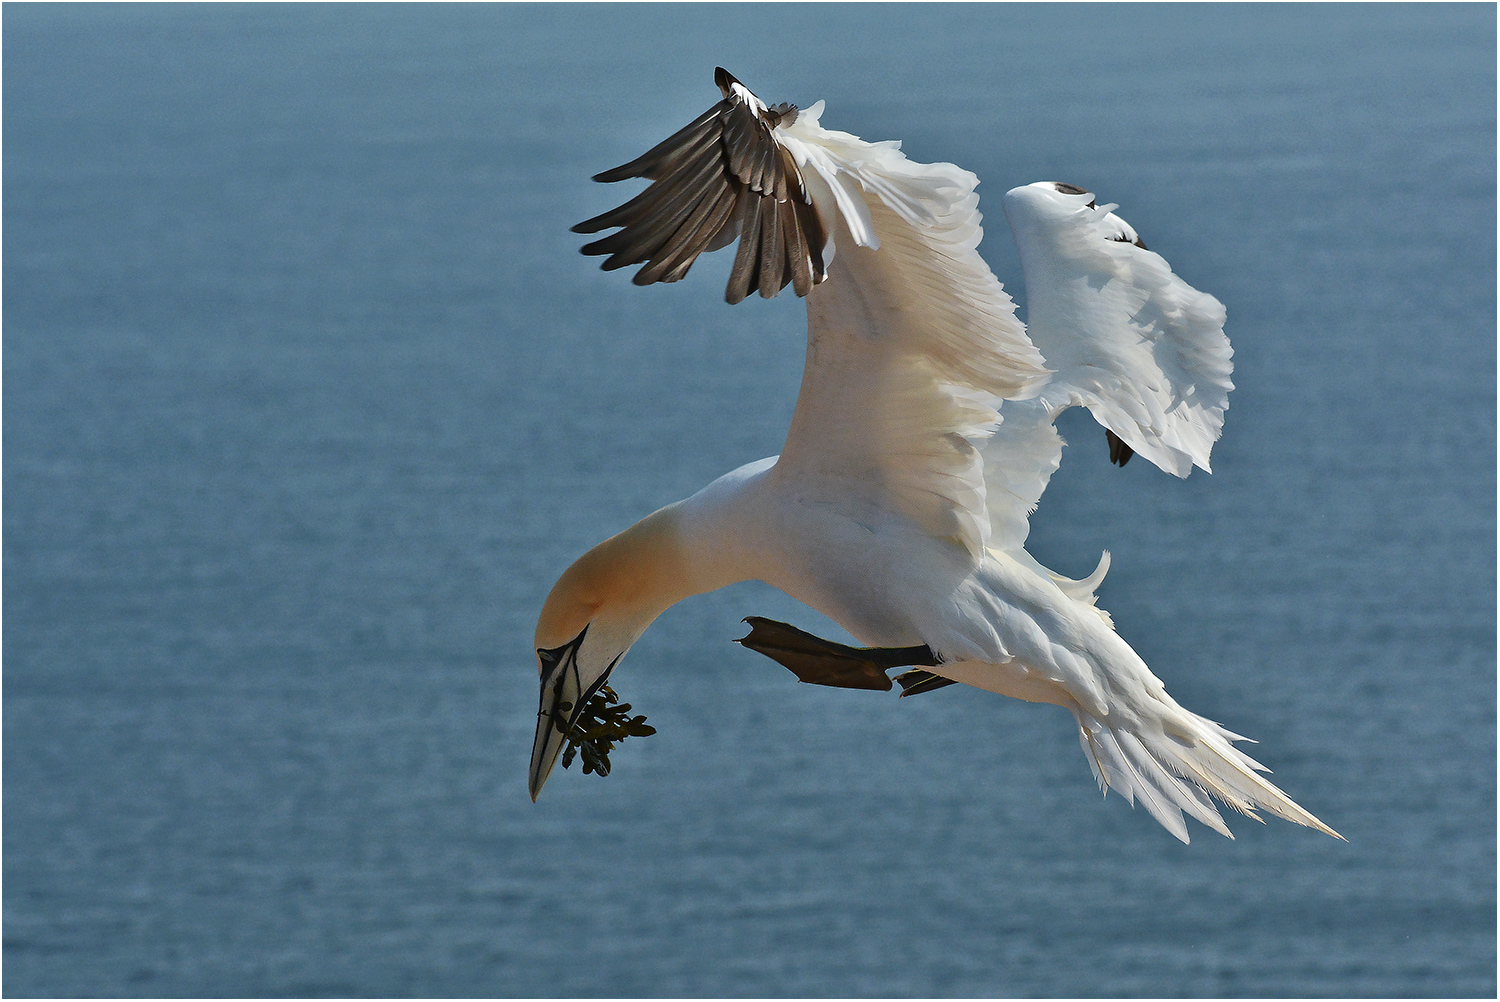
column 309, row 397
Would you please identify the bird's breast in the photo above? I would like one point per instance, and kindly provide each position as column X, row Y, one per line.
column 873, row 572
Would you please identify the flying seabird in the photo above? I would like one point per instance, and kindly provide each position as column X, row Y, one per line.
column 922, row 439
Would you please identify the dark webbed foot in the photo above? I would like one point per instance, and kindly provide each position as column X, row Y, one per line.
column 917, row 681
column 823, row 662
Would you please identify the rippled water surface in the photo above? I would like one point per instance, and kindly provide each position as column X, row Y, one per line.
column 309, row 397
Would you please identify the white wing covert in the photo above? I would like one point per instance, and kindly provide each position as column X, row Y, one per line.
column 912, row 341
column 1020, row 457
column 1127, row 338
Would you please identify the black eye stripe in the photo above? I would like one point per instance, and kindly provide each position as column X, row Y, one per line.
column 551, row 658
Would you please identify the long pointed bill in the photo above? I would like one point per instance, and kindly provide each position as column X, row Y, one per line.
column 564, row 693
column 549, row 741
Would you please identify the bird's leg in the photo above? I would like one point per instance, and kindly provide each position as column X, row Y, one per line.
column 823, row 662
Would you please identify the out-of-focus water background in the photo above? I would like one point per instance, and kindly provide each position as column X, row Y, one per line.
column 309, row 397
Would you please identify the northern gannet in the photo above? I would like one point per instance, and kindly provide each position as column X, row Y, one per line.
column 921, row 442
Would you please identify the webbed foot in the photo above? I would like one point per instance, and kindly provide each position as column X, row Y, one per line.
column 917, row 681
column 823, row 662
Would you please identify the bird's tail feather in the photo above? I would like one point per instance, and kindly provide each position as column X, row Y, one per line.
column 1176, row 766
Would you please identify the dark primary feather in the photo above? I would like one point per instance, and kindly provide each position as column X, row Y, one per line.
column 796, row 248
column 1123, row 239
column 722, row 176
column 747, row 256
column 707, row 219
column 773, row 273
column 814, row 238
column 661, row 218
column 645, row 164
column 1072, row 189
column 1119, row 452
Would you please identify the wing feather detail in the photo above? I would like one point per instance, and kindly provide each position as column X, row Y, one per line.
column 1129, row 339
column 662, row 158
column 663, row 219
column 724, row 175
column 1019, row 459
column 747, row 255
column 912, row 341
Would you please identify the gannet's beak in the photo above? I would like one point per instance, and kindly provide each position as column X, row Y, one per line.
column 549, row 740
column 566, row 690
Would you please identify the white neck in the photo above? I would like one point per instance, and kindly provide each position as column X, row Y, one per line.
column 623, row 584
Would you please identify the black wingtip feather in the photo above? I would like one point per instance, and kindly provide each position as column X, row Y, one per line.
column 674, row 144
column 724, row 175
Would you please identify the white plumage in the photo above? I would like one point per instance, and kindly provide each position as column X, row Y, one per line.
column 923, row 436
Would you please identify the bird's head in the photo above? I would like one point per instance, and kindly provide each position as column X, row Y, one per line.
column 596, row 611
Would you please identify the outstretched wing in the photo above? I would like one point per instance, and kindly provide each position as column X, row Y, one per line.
column 912, row 341
column 1140, row 348
column 722, row 176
